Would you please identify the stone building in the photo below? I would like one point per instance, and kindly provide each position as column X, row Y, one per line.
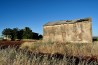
column 74, row 31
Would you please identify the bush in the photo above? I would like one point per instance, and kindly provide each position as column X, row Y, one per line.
column 97, row 39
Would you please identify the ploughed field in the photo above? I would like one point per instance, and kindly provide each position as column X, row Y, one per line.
column 5, row 44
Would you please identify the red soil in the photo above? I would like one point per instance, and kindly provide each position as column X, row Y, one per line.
column 10, row 43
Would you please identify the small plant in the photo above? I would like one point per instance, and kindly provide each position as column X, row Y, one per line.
column 97, row 39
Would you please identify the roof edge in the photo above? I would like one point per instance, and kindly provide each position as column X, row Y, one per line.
column 68, row 21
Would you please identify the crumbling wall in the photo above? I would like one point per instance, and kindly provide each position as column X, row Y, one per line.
column 80, row 32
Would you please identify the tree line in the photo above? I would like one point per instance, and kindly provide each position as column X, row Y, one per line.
column 25, row 33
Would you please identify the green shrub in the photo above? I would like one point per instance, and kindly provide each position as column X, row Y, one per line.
column 97, row 39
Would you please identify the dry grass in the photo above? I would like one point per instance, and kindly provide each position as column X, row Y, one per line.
column 83, row 49
column 11, row 56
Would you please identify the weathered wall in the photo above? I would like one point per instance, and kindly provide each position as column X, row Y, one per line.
column 80, row 32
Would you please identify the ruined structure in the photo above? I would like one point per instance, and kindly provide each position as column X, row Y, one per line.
column 75, row 31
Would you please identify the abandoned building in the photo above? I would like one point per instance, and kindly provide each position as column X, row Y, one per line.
column 74, row 31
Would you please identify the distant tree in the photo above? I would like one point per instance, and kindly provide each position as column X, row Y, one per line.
column 7, row 32
column 27, row 33
column 40, row 36
column 20, row 34
column 14, row 33
column 35, row 35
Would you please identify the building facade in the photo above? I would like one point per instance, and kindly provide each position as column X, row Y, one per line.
column 74, row 31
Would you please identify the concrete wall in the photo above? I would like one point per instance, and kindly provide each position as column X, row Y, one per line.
column 80, row 32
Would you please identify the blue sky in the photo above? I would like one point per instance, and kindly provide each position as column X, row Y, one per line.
column 35, row 13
